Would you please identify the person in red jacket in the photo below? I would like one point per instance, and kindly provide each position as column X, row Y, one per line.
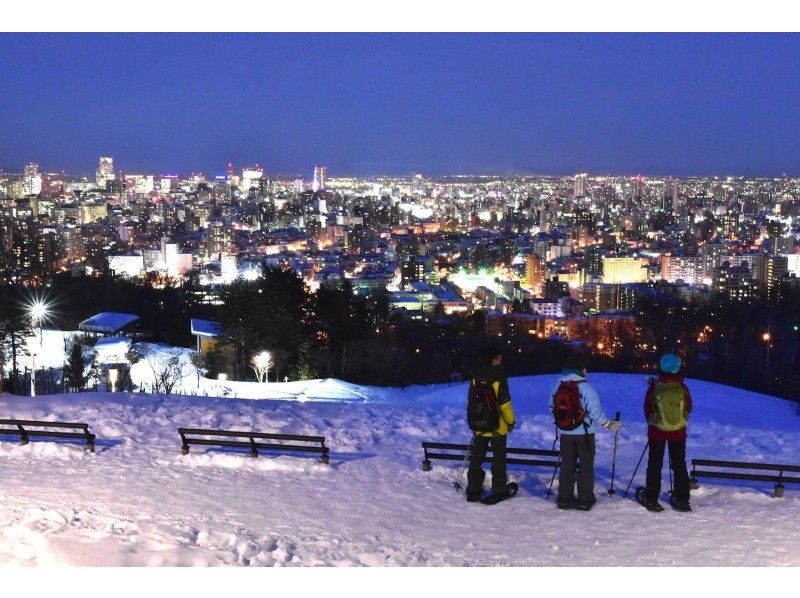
column 667, row 405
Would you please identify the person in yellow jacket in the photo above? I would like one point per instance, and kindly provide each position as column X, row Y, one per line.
column 491, row 371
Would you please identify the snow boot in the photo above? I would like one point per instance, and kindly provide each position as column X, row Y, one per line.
column 494, row 498
column 473, row 496
column 653, row 507
column 682, row 506
column 564, row 504
column 586, row 505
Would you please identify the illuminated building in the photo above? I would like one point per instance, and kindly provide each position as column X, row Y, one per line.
column 579, row 188
column 776, row 267
column 535, row 270
column 319, row 178
column 624, row 270
column 105, row 171
column 678, row 267
column 32, row 180
column 251, row 178
column 218, row 238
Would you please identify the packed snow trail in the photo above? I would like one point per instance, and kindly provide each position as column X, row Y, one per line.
column 138, row 501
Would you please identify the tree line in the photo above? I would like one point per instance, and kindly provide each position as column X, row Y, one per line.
column 335, row 332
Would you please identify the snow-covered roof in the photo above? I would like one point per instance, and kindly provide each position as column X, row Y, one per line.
column 206, row 328
column 107, row 322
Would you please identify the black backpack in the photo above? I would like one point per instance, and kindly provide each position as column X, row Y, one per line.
column 483, row 414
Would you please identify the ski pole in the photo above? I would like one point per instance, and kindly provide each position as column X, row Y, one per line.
column 637, row 469
column 550, row 487
column 457, row 483
column 614, row 459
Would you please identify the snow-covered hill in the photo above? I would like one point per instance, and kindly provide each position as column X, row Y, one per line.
column 138, row 501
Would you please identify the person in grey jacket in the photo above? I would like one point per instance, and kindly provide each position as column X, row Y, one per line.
column 579, row 444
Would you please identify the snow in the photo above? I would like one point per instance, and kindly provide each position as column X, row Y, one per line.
column 138, row 501
column 206, row 328
column 107, row 322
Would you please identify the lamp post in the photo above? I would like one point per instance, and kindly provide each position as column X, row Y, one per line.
column 33, row 349
column 38, row 311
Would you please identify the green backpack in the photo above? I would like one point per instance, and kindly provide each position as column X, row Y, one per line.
column 669, row 407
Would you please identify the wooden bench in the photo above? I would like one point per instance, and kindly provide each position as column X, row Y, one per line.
column 27, row 429
column 457, row 452
column 286, row 442
column 733, row 470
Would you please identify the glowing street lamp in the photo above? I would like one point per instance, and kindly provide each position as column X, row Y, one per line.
column 38, row 311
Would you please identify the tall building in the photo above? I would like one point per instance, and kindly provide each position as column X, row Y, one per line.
column 580, row 185
column 679, row 267
column 32, row 179
column 535, row 273
column 218, row 238
column 105, row 171
column 775, row 268
column 319, row 178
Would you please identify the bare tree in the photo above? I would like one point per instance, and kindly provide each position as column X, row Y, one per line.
column 261, row 363
column 167, row 373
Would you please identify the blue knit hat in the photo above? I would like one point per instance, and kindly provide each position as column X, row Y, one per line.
column 670, row 363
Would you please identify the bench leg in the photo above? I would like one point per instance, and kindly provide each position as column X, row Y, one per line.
column 778, row 490
column 694, row 484
column 426, row 465
column 253, row 453
column 185, row 449
column 89, row 446
column 325, row 459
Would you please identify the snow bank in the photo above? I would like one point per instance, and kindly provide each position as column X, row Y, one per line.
column 138, row 501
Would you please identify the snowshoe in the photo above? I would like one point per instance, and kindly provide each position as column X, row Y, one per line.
column 653, row 507
column 564, row 505
column 493, row 499
column 474, row 496
column 683, row 507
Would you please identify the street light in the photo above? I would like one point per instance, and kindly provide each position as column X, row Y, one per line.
column 38, row 311
column 33, row 349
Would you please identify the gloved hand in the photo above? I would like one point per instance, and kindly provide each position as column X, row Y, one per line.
column 613, row 425
column 511, row 427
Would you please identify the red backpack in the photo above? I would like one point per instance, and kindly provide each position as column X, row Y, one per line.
column 567, row 409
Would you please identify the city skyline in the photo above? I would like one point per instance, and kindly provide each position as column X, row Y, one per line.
column 388, row 104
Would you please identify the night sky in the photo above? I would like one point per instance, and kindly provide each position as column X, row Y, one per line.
column 368, row 104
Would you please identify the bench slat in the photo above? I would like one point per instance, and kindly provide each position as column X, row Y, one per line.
column 743, row 465
column 46, row 433
column 234, row 433
column 258, row 445
column 744, row 476
column 463, row 448
column 29, row 422
column 488, row 459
